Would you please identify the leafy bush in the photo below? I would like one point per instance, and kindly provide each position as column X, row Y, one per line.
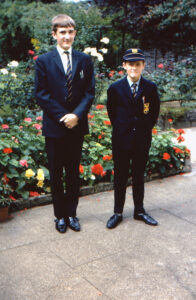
column 23, row 161
column 175, row 81
column 17, row 86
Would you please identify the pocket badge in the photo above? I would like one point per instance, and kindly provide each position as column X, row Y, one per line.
column 146, row 108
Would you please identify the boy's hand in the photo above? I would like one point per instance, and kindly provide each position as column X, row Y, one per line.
column 70, row 120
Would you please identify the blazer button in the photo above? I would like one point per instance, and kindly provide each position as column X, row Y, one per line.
column 134, row 129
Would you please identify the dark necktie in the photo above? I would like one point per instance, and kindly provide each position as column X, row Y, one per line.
column 69, row 77
column 133, row 87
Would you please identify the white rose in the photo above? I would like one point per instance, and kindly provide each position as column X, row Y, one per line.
column 105, row 40
column 93, row 177
column 94, row 52
column 13, row 75
column 104, row 50
column 87, row 50
column 4, row 71
column 13, row 64
column 100, row 57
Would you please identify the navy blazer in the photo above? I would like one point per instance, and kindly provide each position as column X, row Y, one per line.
column 51, row 91
column 132, row 118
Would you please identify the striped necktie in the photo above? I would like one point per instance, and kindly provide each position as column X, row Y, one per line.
column 133, row 87
column 69, row 77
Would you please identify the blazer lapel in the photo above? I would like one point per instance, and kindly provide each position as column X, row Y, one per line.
column 140, row 88
column 127, row 89
column 74, row 62
column 58, row 61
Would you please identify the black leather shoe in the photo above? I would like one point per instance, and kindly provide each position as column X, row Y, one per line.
column 74, row 223
column 146, row 218
column 61, row 225
column 114, row 221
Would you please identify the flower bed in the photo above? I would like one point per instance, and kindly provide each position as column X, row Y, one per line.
column 23, row 162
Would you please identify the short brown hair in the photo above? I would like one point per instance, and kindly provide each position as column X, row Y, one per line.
column 62, row 21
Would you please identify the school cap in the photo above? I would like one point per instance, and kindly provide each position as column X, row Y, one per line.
column 134, row 55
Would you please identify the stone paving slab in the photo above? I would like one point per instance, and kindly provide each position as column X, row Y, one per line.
column 132, row 262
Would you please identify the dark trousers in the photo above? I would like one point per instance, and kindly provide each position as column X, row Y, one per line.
column 122, row 160
column 64, row 153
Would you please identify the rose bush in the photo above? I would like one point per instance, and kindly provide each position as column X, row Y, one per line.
column 23, row 161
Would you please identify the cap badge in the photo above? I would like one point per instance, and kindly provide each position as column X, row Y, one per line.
column 134, row 50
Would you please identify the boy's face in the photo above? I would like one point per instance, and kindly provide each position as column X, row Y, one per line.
column 64, row 36
column 134, row 69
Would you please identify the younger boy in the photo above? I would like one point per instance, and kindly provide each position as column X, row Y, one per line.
column 133, row 107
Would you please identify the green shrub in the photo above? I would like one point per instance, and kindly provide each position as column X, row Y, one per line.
column 23, row 161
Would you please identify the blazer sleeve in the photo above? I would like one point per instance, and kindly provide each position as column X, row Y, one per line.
column 111, row 104
column 155, row 106
column 83, row 107
column 49, row 105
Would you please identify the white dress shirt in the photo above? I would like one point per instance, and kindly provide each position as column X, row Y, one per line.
column 63, row 57
column 131, row 82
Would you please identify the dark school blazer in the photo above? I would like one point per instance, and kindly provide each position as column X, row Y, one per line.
column 51, row 91
column 132, row 118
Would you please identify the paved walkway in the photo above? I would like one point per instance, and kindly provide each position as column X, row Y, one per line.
column 133, row 261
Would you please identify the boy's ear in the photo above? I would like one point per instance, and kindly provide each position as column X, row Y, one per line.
column 124, row 64
column 54, row 35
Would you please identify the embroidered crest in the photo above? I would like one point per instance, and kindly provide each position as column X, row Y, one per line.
column 146, row 108
column 134, row 50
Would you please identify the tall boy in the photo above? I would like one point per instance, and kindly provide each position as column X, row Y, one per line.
column 133, row 108
column 64, row 85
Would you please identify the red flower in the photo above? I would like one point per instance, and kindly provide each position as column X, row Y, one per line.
column 187, row 150
column 103, row 173
column 35, row 57
column 90, row 116
column 23, row 163
column 100, row 137
column 166, row 156
column 7, row 150
column 177, row 150
column 81, row 169
column 5, row 126
column 107, row 157
column 37, row 126
column 107, row 122
column 170, row 120
column 31, row 52
column 113, row 172
column 33, row 194
column 160, row 66
column 154, row 131
column 27, row 119
column 111, row 74
column 180, row 139
column 99, row 106
column 121, row 73
column 39, row 118
column 180, row 131
column 5, row 179
column 12, row 198
column 97, row 169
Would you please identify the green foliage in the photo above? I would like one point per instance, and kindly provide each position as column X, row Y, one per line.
column 24, row 25
column 170, row 26
column 17, row 86
column 176, row 81
column 23, row 156
column 163, row 144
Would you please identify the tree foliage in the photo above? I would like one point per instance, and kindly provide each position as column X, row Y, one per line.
column 170, row 26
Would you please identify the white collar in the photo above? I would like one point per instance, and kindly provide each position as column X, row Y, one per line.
column 62, row 51
column 131, row 82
